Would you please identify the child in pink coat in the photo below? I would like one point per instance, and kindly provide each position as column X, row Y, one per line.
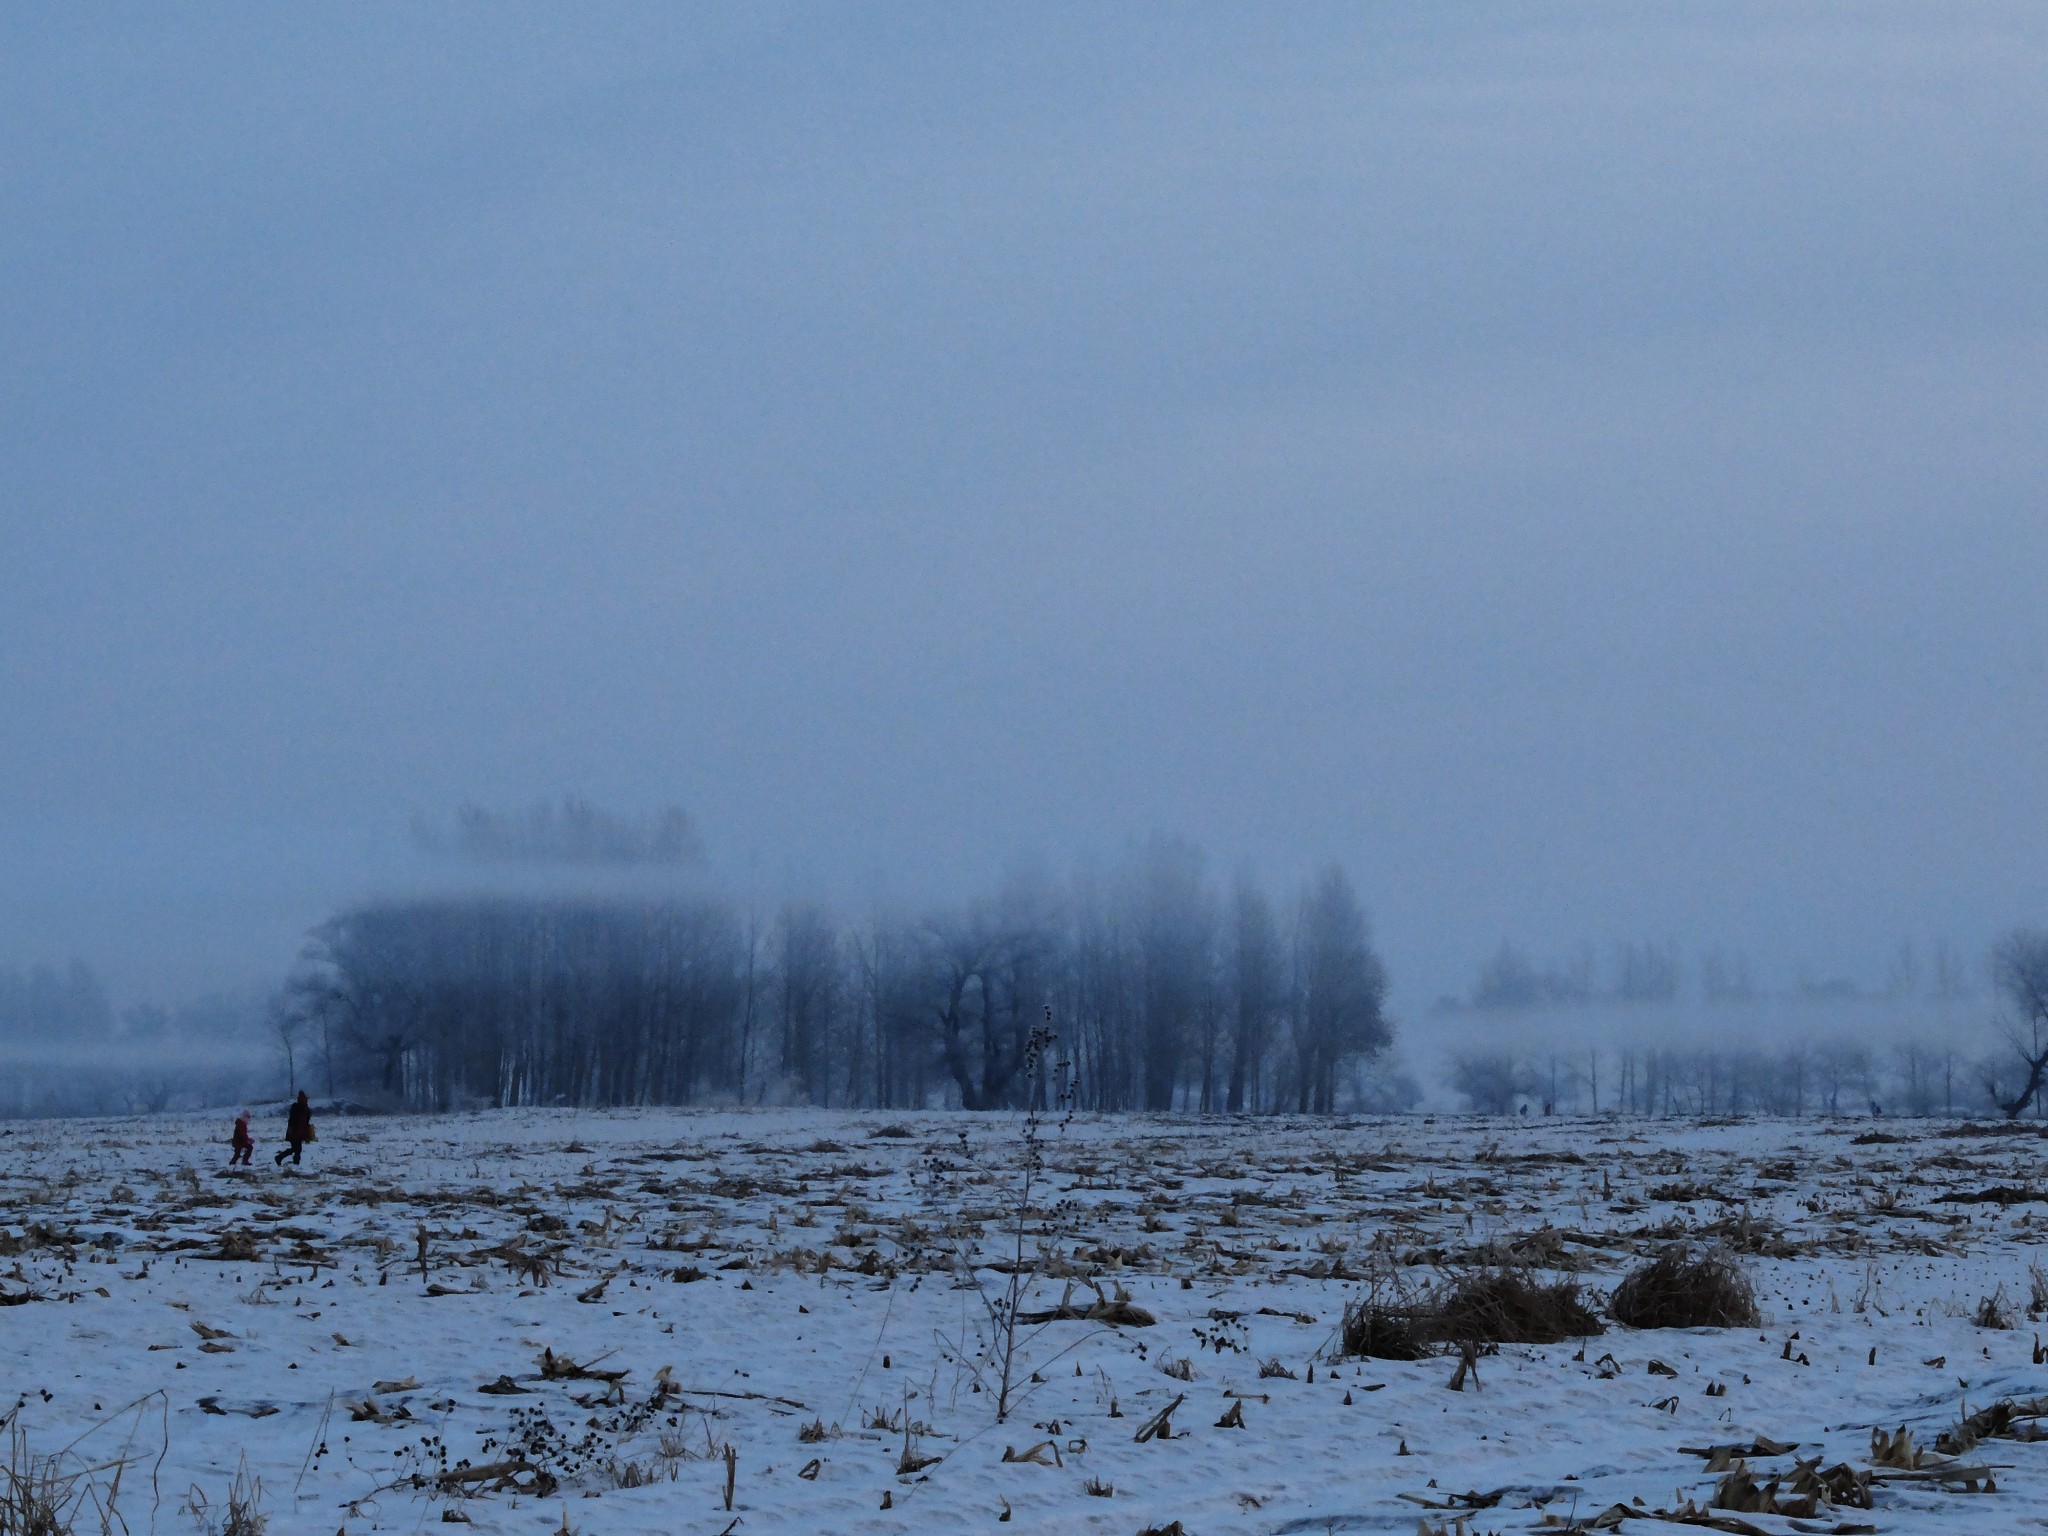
column 242, row 1142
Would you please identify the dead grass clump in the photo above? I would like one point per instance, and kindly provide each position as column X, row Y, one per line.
column 1377, row 1327
column 626, row 1473
column 1686, row 1288
column 240, row 1513
column 37, row 1497
column 1510, row 1305
column 58, row 1494
column 1992, row 1312
column 1389, row 1322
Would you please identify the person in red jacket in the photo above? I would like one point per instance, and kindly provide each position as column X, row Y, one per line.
column 298, row 1130
column 242, row 1143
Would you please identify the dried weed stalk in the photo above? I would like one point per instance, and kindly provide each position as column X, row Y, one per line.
column 1007, row 1318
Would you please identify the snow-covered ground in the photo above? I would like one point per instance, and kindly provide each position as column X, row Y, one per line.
column 811, row 1290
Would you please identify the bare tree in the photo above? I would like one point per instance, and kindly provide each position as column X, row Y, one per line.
column 2019, row 969
column 1902, row 977
column 1175, row 932
column 1344, row 989
column 985, row 984
column 287, row 1021
column 1255, row 988
column 808, row 974
column 1843, row 1067
column 1917, row 1066
column 1951, row 976
column 1488, row 1079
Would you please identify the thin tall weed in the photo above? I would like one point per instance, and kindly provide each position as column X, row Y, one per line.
column 1007, row 1324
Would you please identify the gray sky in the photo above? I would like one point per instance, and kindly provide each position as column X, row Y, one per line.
column 1580, row 467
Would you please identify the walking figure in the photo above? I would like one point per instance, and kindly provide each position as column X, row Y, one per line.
column 298, row 1130
column 242, row 1145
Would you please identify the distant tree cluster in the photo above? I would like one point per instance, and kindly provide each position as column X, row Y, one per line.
column 572, row 832
column 1510, row 980
column 1166, row 992
column 64, row 1050
column 1838, row 1076
column 1646, row 971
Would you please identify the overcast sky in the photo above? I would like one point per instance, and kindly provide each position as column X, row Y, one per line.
column 1582, row 468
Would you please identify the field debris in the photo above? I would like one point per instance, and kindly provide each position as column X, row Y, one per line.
column 803, row 1320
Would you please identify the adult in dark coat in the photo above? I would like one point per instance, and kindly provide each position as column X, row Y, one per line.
column 298, row 1129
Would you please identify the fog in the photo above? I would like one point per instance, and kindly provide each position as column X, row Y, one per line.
column 1577, row 468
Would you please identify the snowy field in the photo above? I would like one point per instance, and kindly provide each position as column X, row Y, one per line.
column 531, row 1320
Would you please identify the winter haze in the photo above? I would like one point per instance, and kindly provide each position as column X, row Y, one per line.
column 1579, row 468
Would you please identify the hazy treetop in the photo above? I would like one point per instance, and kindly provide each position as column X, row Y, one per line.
column 1580, row 466
column 574, row 832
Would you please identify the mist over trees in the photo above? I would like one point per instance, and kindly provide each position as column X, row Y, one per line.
column 1166, row 991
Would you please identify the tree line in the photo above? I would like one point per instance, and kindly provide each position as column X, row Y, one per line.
column 65, row 1049
column 1841, row 1074
column 1831, row 1076
column 1647, row 971
column 1167, row 990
